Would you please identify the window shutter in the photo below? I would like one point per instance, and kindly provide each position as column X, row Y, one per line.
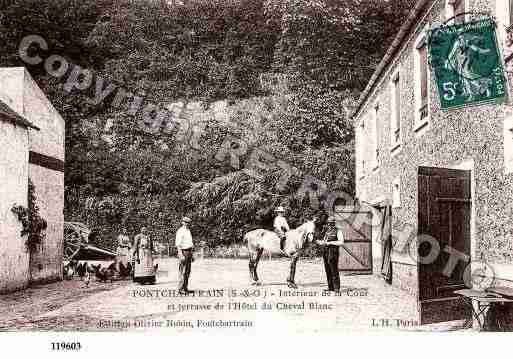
column 362, row 147
column 510, row 12
column 423, row 74
column 397, row 97
column 376, row 134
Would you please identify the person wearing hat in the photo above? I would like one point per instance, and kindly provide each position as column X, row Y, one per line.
column 281, row 227
column 333, row 239
column 184, row 245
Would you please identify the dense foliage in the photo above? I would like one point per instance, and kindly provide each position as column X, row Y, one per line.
column 322, row 52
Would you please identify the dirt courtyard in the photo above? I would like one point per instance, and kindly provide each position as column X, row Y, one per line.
column 224, row 299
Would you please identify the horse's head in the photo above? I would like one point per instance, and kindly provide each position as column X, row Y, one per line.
column 309, row 230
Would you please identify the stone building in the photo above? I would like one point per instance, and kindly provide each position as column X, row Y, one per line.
column 444, row 173
column 33, row 142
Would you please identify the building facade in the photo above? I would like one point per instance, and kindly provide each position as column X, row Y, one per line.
column 35, row 151
column 445, row 173
column 14, row 257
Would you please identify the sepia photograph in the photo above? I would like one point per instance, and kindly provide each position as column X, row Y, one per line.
column 249, row 167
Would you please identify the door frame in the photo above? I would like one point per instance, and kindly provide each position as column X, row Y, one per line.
column 468, row 165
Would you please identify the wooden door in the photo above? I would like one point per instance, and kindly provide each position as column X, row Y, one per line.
column 444, row 206
column 356, row 253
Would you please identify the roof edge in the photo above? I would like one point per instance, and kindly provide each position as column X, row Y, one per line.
column 14, row 117
column 404, row 31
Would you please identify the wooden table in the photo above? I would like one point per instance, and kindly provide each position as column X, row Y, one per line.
column 484, row 300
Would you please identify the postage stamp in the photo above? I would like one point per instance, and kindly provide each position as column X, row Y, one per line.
column 173, row 169
column 467, row 63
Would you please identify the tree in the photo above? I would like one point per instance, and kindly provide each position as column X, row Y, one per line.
column 119, row 175
column 336, row 44
column 241, row 196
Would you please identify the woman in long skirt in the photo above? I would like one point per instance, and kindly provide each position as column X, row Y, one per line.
column 123, row 254
column 144, row 271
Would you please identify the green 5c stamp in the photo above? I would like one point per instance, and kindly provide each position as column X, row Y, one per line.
column 467, row 64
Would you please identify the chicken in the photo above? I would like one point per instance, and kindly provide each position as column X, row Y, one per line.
column 123, row 272
column 89, row 270
column 87, row 279
column 81, row 270
column 129, row 269
column 69, row 270
column 105, row 274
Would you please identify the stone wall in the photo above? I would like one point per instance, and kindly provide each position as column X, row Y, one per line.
column 14, row 255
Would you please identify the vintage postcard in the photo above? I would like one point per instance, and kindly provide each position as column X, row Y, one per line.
column 256, row 166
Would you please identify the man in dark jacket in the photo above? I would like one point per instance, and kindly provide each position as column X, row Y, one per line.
column 333, row 239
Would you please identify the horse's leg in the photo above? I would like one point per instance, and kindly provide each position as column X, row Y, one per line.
column 259, row 254
column 290, row 281
column 252, row 267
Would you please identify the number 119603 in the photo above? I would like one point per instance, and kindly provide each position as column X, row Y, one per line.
column 66, row 346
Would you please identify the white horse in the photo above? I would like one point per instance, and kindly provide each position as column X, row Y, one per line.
column 260, row 239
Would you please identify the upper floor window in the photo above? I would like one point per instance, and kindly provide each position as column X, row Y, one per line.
column 395, row 113
column 504, row 12
column 421, row 81
column 454, row 8
column 508, row 142
column 504, row 15
column 360, row 148
column 509, row 9
column 375, row 139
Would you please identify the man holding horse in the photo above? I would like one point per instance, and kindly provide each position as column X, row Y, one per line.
column 281, row 227
column 333, row 239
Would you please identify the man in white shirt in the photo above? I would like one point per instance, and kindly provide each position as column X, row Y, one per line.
column 184, row 245
column 280, row 225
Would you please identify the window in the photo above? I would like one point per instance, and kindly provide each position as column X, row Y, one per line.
column 396, row 193
column 454, row 8
column 421, row 82
column 361, row 149
column 510, row 12
column 508, row 142
column 459, row 8
column 504, row 15
column 375, row 140
column 395, row 113
column 504, row 12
